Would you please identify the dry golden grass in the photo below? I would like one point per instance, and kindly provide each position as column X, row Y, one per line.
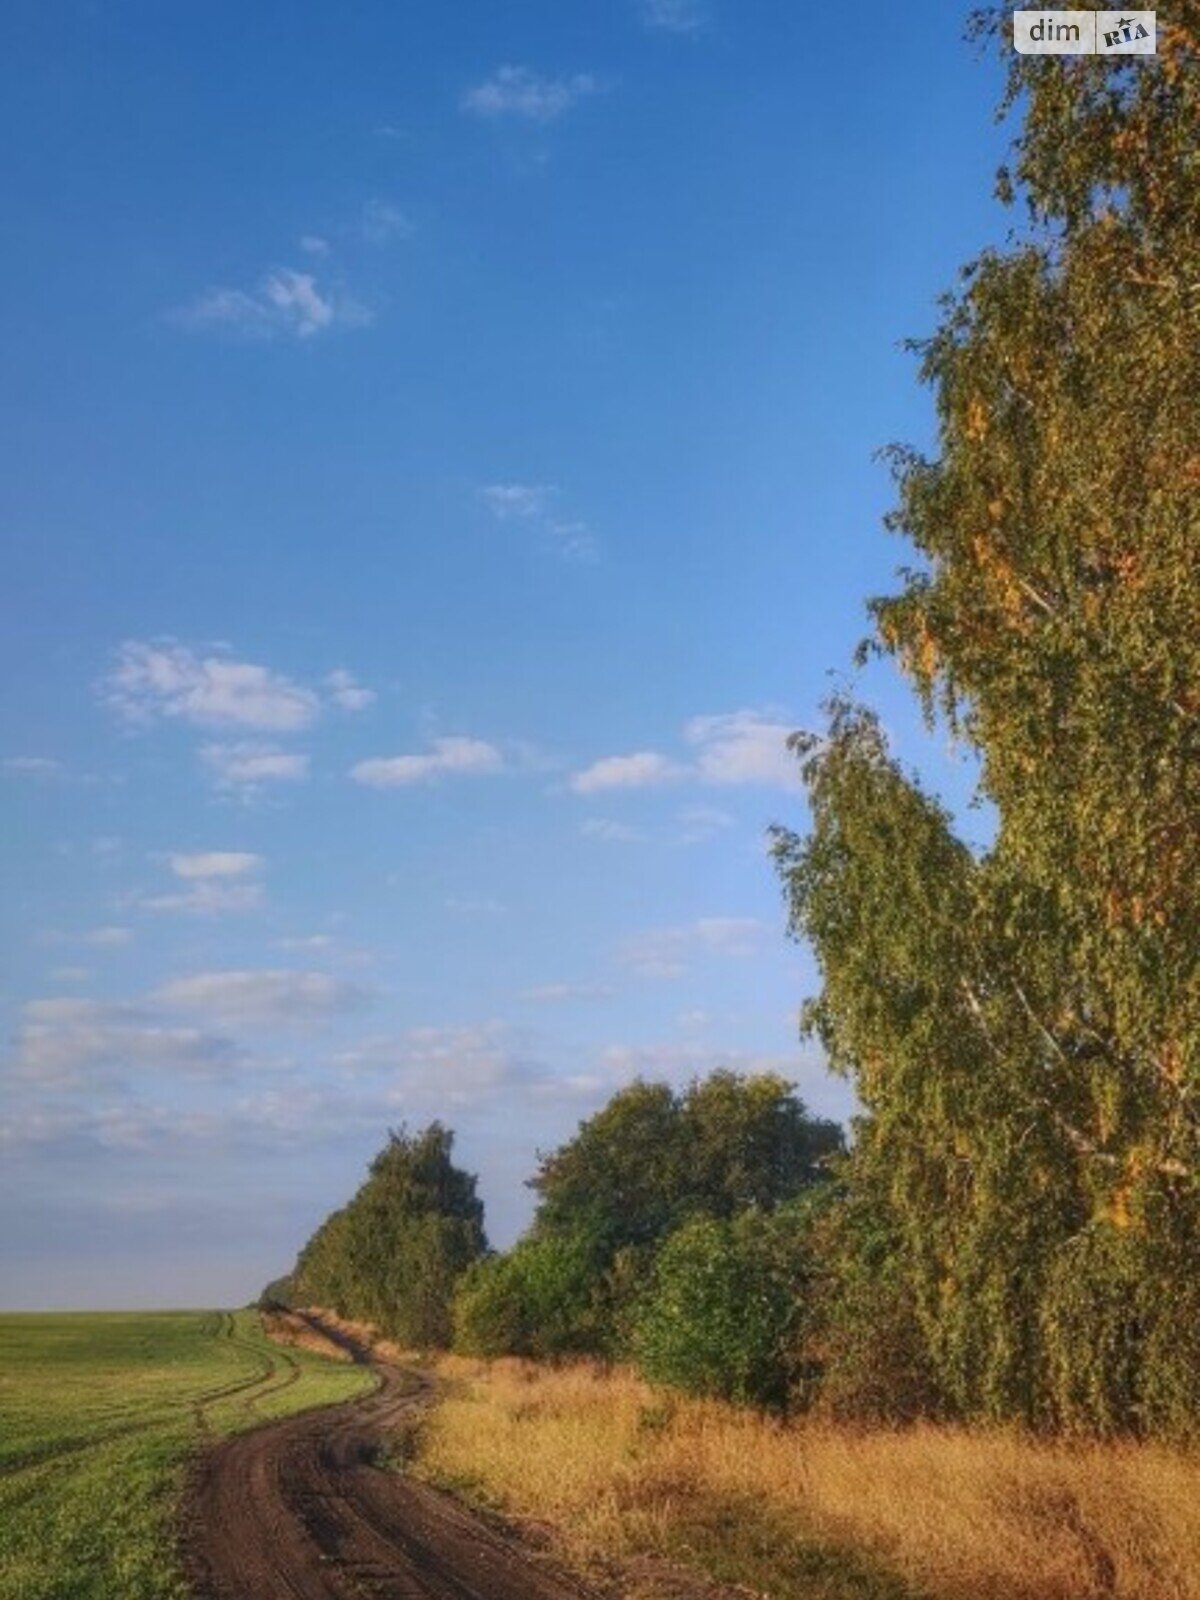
column 619, row 1468
column 364, row 1333
column 284, row 1327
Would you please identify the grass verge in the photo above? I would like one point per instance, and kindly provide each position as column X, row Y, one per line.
column 97, row 1416
column 618, row 1471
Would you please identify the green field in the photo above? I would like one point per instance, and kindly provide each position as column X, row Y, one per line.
column 97, row 1416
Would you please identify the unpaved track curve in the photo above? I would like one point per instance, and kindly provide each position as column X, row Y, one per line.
column 298, row 1510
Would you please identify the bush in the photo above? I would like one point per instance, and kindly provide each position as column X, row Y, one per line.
column 725, row 1314
column 539, row 1300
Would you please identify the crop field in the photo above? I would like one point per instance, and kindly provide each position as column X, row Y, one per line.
column 97, row 1416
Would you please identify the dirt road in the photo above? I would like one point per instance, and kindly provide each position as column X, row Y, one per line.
column 301, row 1510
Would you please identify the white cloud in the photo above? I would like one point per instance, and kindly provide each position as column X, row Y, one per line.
column 697, row 824
column 733, row 748
column 212, row 691
column 643, row 770
column 728, row 936
column 458, row 1068
column 32, row 766
column 70, row 1044
column 554, row 993
column 743, row 747
column 517, row 500
column 263, row 996
column 71, row 975
column 346, row 691
column 307, row 942
column 297, row 301
column 214, row 864
column 678, row 1063
column 107, row 938
column 286, row 303
column 206, row 899
column 574, row 541
column 382, row 221
column 675, row 16
column 669, row 952
column 520, row 92
column 533, row 503
column 457, row 757
column 314, row 245
column 246, row 766
column 609, row 831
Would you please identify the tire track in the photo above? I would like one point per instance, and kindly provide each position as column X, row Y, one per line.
column 299, row 1510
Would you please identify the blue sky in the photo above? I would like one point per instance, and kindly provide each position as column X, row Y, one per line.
column 438, row 472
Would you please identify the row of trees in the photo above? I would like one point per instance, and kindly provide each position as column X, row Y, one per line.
column 676, row 1229
column 1015, row 1232
column 1022, row 1024
column 395, row 1253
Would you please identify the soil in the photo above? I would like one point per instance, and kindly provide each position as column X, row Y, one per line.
column 309, row 1509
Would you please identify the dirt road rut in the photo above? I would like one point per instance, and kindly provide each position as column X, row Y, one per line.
column 301, row 1510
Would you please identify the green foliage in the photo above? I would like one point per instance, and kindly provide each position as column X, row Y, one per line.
column 650, row 1163
column 394, row 1254
column 97, row 1416
column 724, row 1313
column 863, row 1339
column 539, row 1300
column 653, row 1160
column 1023, row 1027
column 1122, row 1355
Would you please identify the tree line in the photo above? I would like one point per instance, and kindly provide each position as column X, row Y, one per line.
column 1013, row 1232
column 674, row 1230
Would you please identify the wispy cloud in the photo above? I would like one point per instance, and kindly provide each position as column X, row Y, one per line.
column 169, row 681
column 669, row 952
column 731, row 749
column 610, row 831
column 460, row 1068
column 262, row 996
column 698, row 824
column 520, row 501
column 286, row 303
column 475, row 906
column 32, row 766
column 675, row 16
column 451, row 757
column 74, row 1044
column 246, row 766
column 346, row 692
column 516, row 91
column 108, row 937
column 214, row 863
column 680, row 1062
column 382, row 221
column 544, row 994
column 743, row 747
column 536, row 505
column 644, row 769
column 215, row 882
column 313, row 244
